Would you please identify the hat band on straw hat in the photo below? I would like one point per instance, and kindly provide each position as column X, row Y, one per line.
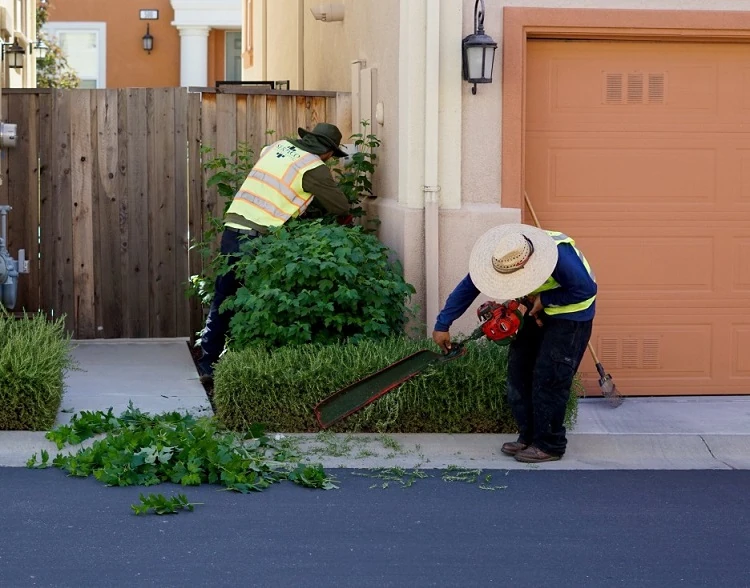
column 516, row 261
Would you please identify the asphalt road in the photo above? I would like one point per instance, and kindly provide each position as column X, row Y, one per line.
column 547, row 528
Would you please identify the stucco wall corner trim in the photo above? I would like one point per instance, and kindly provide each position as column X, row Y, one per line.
column 521, row 24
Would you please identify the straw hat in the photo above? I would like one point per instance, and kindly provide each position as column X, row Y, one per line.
column 510, row 261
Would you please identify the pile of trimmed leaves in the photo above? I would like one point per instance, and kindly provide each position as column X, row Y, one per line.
column 145, row 450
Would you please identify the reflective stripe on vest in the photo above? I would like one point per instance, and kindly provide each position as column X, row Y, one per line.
column 551, row 284
column 272, row 192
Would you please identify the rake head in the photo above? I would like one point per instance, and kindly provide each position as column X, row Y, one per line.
column 609, row 390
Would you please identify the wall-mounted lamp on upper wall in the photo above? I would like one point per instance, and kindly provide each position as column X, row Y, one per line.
column 39, row 48
column 148, row 40
column 479, row 52
column 14, row 54
column 328, row 12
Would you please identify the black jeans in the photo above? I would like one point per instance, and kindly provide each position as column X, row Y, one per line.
column 541, row 364
column 214, row 333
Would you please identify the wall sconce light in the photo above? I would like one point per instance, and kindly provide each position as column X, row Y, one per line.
column 479, row 52
column 148, row 40
column 15, row 54
column 39, row 48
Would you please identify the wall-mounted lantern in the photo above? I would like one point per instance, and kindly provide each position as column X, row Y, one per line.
column 148, row 40
column 478, row 52
column 39, row 48
column 14, row 54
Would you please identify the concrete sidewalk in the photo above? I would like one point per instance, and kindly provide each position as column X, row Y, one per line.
column 706, row 432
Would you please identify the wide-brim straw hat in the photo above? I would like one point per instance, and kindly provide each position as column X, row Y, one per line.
column 512, row 260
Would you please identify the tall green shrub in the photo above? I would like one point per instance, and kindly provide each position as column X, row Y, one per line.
column 34, row 356
column 311, row 282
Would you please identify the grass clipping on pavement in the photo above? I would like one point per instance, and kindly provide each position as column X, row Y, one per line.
column 280, row 387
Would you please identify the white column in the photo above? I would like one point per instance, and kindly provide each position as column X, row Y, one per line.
column 193, row 55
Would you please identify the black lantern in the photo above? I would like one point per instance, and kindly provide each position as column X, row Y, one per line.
column 148, row 40
column 39, row 48
column 479, row 52
column 14, row 54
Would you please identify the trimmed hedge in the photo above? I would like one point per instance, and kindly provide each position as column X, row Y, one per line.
column 34, row 355
column 280, row 387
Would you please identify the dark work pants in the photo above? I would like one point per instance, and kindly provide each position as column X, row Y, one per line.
column 541, row 364
column 214, row 333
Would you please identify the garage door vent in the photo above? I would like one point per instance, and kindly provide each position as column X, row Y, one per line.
column 614, row 88
column 634, row 88
column 630, row 352
column 656, row 88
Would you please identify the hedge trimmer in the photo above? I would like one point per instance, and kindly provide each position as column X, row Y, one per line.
column 498, row 322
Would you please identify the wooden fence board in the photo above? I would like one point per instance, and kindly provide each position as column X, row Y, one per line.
column 83, row 228
column 286, row 127
column 256, row 123
column 139, row 301
column 161, row 199
column 57, row 212
column 21, row 195
column 108, row 262
column 181, row 215
column 195, row 188
column 123, row 208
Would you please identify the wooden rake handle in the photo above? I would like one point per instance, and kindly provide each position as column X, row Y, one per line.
column 539, row 226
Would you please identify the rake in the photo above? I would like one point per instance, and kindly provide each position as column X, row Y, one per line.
column 606, row 384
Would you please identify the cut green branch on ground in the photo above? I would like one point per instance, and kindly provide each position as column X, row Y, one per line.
column 161, row 505
column 144, row 450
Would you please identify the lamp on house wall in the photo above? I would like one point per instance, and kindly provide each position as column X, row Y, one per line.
column 478, row 51
column 39, row 48
column 14, row 54
column 148, row 40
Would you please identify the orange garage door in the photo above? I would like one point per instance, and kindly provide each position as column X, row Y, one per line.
column 641, row 152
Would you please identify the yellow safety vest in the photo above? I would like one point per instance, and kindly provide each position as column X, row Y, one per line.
column 272, row 192
column 551, row 284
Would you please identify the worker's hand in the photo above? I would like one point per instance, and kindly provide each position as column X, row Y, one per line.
column 443, row 340
column 536, row 308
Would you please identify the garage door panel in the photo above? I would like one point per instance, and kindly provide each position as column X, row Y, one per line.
column 662, row 83
column 655, row 189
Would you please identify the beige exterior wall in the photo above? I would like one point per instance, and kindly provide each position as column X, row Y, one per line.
column 20, row 26
column 385, row 34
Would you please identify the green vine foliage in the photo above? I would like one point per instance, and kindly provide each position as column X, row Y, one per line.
column 227, row 175
column 311, row 282
column 53, row 70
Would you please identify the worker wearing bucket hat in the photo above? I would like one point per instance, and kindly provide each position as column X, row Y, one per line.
column 280, row 186
column 553, row 279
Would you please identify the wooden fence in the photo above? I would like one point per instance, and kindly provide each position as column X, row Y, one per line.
column 108, row 191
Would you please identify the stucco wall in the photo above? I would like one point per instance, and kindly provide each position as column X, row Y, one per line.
column 128, row 65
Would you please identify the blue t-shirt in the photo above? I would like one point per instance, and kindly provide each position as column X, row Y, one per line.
column 575, row 282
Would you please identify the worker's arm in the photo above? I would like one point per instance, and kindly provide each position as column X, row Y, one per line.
column 575, row 282
column 458, row 301
column 320, row 183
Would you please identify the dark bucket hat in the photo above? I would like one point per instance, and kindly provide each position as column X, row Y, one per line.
column 324, row 134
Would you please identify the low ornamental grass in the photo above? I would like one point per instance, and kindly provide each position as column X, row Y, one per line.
column 34, row 356
column 280, row 387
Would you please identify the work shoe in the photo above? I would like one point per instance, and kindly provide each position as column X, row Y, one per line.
column 513, row 447
column 535, row 455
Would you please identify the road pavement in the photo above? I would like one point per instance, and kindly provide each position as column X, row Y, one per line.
column 544, row 528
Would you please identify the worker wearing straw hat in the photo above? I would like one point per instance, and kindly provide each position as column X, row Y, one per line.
column 555, row 282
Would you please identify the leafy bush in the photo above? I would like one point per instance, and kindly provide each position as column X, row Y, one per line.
column 34, row 355
column 280, row 388
column 310, row 282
